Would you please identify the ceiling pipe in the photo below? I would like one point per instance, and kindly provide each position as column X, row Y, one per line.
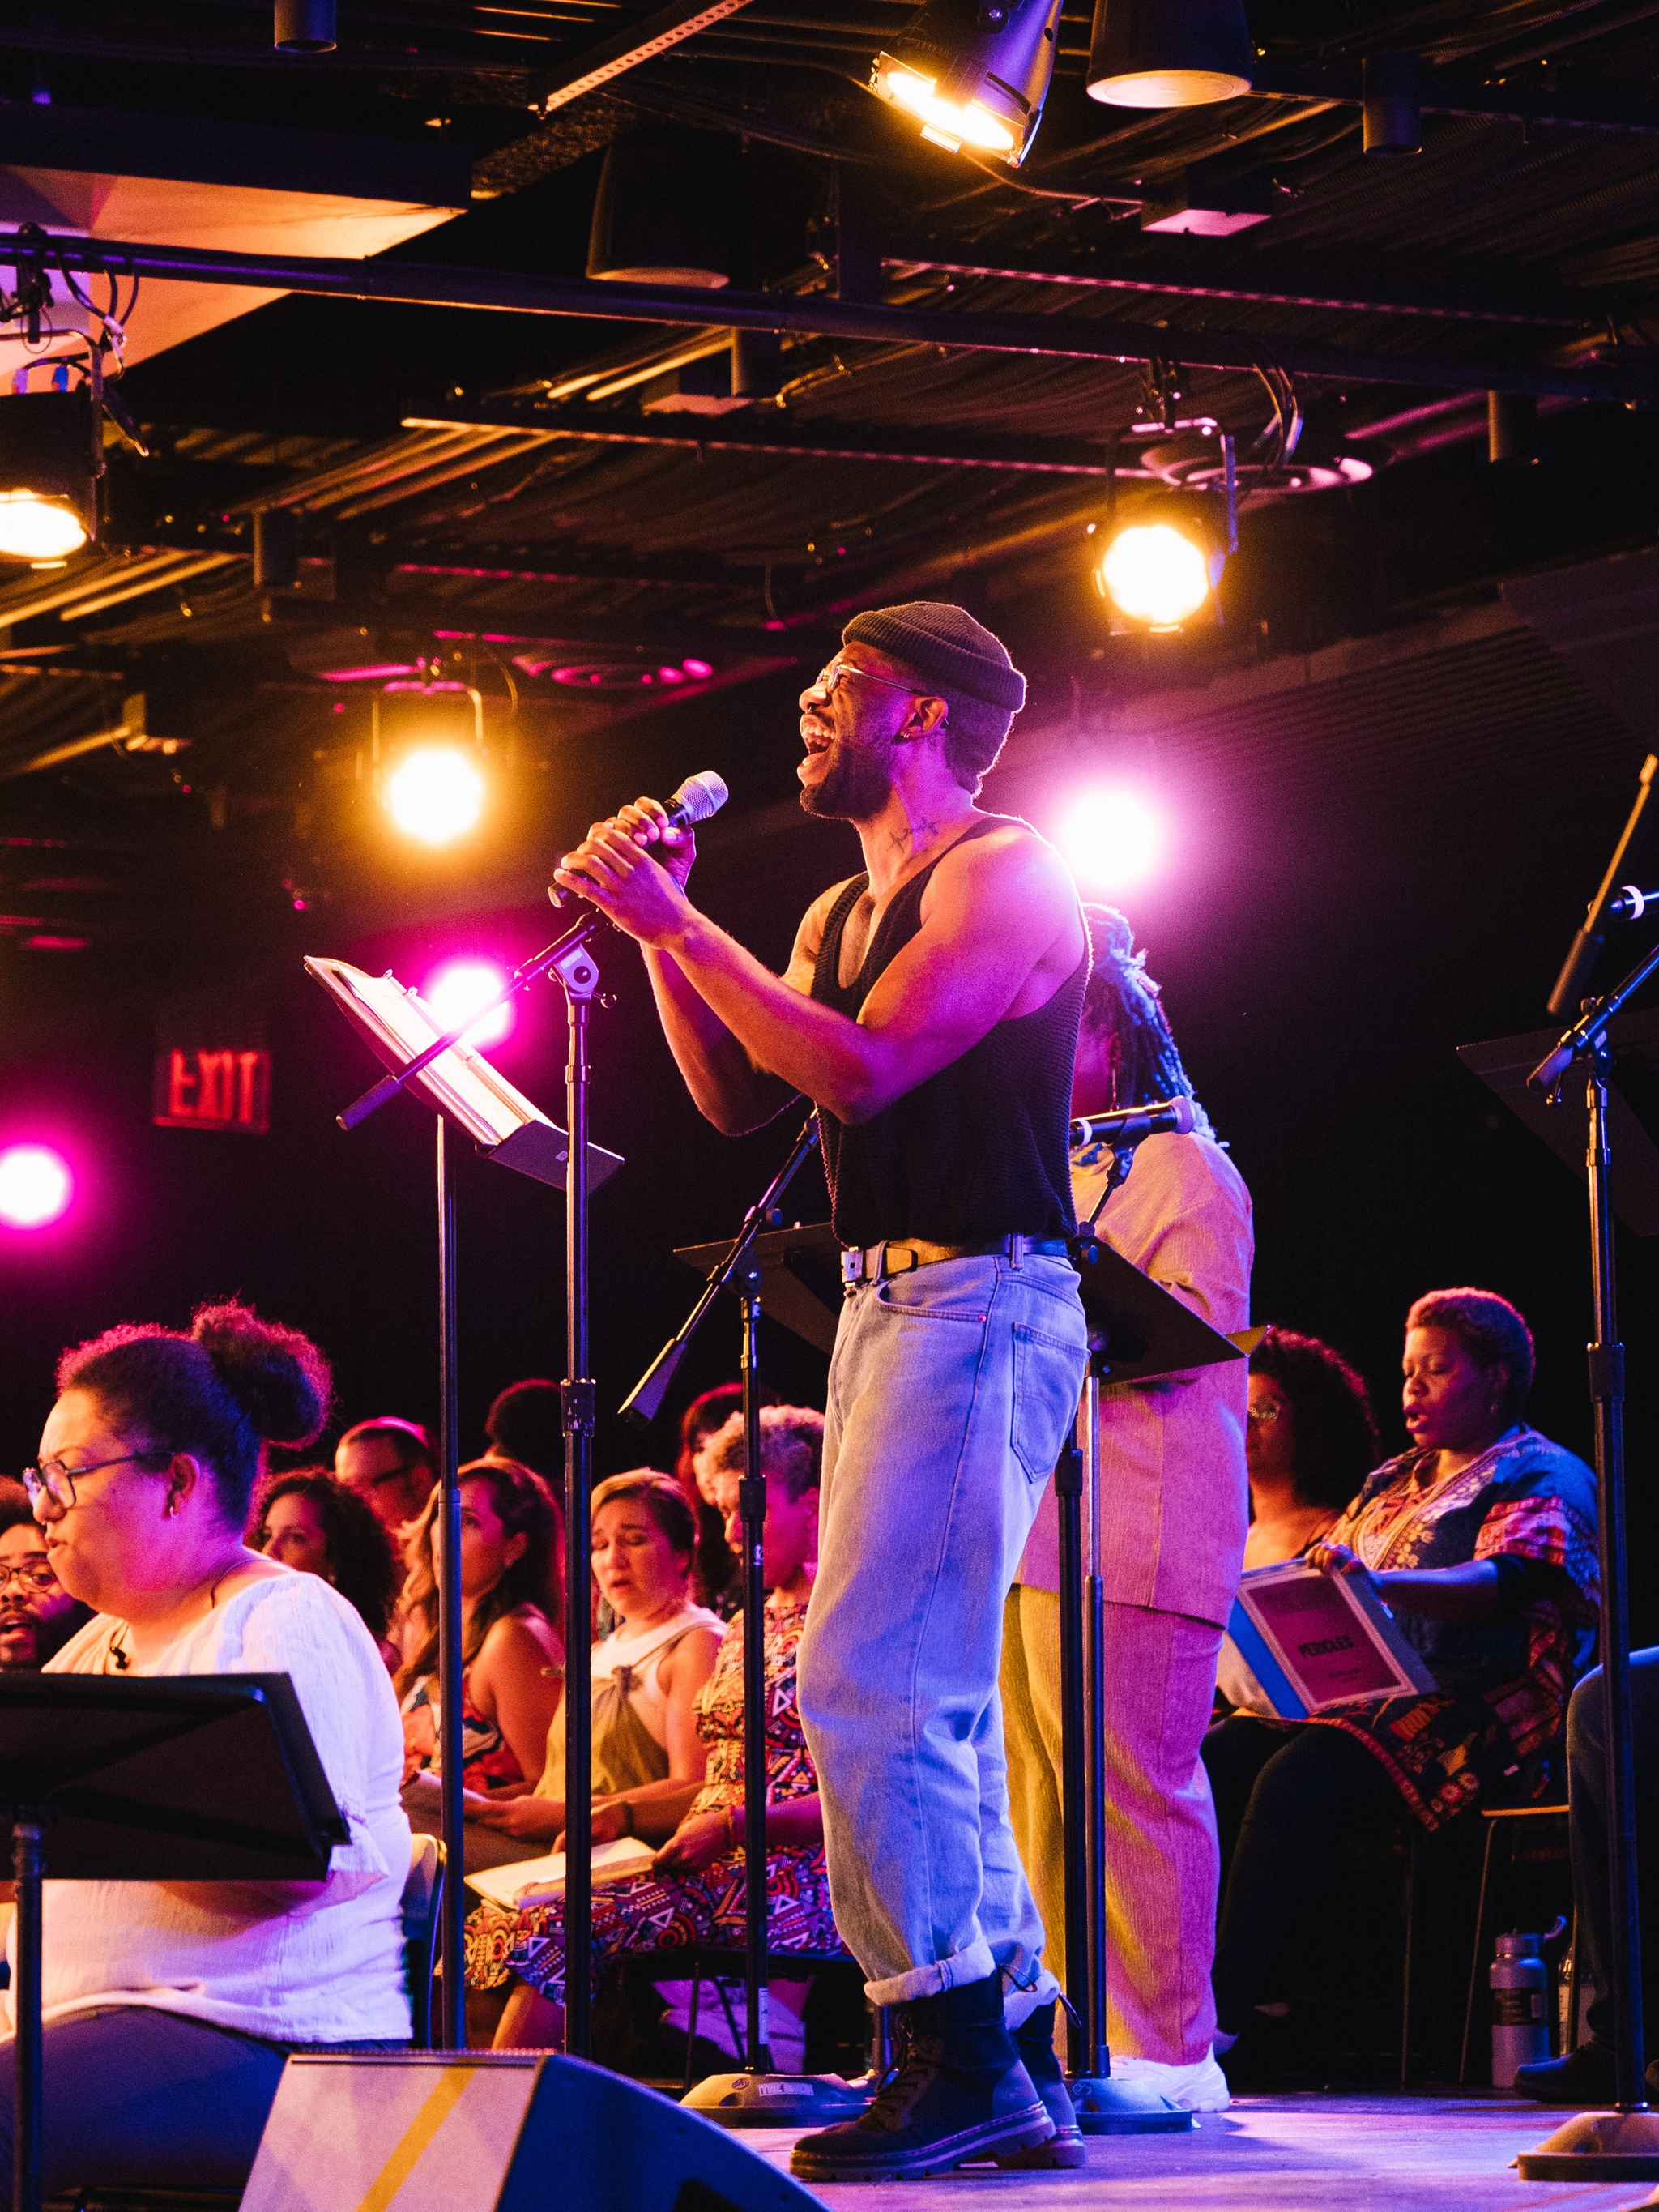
column 1043, row 337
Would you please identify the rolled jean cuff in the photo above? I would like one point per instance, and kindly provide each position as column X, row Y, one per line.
column 976, row 1963
column 1018, row 2004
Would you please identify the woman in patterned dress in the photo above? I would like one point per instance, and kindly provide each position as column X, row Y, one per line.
column 1482, row 1540
column 693, row 1893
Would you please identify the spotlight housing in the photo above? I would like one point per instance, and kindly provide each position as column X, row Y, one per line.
column 427, row 749
column 666, row 211
column 974, row 73
column 48, row 475
column 304, row 27
column 1168, row 53
column 1160, row 568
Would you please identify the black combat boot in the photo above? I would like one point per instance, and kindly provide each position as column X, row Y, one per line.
column 1034, row 2042
column 958, row 2090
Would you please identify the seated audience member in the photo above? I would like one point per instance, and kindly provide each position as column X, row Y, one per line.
column 717, row 1582
column 647, row 1757
column 1481, row 1538
column 512, row 1654
column 1310, row 1440
column 310, row 1521
column 694, row 1894
column 37, row 1616
column 392, row 1465
column 1587, row 2075
column 171, row 2008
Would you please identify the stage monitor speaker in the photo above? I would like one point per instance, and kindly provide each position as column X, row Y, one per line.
column 482, row 2131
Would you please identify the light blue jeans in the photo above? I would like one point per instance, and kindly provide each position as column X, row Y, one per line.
column 951, row 1391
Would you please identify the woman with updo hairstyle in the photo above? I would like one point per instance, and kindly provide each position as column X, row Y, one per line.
column 171, row 2008
column 309, row 1520
column 1481, row 1540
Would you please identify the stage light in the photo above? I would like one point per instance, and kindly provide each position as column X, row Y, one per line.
column 668, row 207
column 1111, row 839
column 1168, row 53
column 1155, row 573
column 454, row 991
column 35, row 1186
column 974, row 73
column 48, row 481
column 303, row 27
column 435, row 793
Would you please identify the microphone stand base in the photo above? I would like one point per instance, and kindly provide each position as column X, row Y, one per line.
column 1607, row 2146
column 776, row 2101
column 1107, row 2106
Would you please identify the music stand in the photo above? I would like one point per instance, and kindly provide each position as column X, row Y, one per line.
column 202, row 1777
column 460, row 1085
column 1137, row 1332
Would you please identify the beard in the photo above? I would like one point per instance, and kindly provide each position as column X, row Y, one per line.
column 855, row 783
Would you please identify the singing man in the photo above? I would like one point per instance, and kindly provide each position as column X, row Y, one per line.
column 930, row 1009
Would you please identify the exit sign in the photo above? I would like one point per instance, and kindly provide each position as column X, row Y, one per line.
column 196, row 1088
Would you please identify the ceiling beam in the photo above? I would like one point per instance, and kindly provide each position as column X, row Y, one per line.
column 1205, row 268
column 769, row 430
column 1441, row 96
column 599, row 64
column 1075, row 337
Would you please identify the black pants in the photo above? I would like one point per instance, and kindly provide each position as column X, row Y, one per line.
column 1285, row 1800
column 1586, row 1794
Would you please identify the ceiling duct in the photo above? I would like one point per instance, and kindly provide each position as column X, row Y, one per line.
column 666, row 213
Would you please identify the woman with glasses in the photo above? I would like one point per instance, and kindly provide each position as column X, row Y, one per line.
column 1311, row 1441
column 37, row 1616
column 170, row 2009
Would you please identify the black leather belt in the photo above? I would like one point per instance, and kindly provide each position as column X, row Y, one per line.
column 873, row 1263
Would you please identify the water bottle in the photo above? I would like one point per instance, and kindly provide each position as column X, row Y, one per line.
column 1520, row 2011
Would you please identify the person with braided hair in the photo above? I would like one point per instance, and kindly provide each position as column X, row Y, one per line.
column 1174, row 1511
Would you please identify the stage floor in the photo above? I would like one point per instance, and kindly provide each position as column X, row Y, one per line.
column 1309, row 2153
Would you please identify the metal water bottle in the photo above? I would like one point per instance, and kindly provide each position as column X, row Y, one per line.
column 1520, row 2007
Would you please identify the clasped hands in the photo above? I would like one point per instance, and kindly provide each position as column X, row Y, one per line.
column 641, row 890
column 697, row 1842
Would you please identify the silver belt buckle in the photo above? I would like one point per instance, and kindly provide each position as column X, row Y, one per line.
column 852, row 1269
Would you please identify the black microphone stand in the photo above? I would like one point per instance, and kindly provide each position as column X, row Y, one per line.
column 754, row 2096
column 568, row 958
column 1623, row 2146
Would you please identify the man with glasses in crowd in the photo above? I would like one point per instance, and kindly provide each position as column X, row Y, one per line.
column 930, row 1011
column 37, row 1616
column 392, row 1465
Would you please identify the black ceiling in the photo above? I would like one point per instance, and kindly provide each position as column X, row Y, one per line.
column 615, row 579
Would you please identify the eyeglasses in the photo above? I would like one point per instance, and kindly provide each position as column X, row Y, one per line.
column 829, row 680
column 1263, row 1417
column 33, row 1574
column 56, row 1479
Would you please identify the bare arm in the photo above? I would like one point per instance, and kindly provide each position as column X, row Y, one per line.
column 1469, row 1592
column 728, row 1086
column 510, row 1685
column 997, row 911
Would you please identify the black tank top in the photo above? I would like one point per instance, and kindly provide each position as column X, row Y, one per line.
column 976, row 1150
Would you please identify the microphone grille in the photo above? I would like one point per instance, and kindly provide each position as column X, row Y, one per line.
column 1184, row 1118
column 700, row 796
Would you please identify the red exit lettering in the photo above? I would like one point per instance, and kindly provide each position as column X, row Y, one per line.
column 202, row 1090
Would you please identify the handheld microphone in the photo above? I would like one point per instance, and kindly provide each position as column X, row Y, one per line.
column 698, row 798
column 1631, row 904
column 1128, row 1125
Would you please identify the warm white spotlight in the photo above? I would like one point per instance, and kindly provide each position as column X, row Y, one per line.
column 435, row 793
column 1154, row 573
column 36, row 529
column 951, row 123
column 456, row 990
column 1111, row 839
column 35, row 1186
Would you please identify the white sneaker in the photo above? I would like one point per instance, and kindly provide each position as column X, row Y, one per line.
column 1200, row 2087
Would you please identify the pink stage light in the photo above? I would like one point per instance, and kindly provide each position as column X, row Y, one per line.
column 453, row 991
column 1112, row 839
column 35, row 1186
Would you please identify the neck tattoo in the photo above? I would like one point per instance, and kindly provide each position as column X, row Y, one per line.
column 916, row 834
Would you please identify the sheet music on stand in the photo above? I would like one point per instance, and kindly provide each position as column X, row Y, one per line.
column 397, row 1024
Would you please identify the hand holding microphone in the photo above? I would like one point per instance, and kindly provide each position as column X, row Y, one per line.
column 641, row 890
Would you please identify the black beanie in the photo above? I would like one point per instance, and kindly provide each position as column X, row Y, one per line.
column 968, row 663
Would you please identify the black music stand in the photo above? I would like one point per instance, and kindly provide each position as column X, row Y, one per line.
column 460, row 1085
column 1137, row 1333
column 758, row 1267
column 196, row 1777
